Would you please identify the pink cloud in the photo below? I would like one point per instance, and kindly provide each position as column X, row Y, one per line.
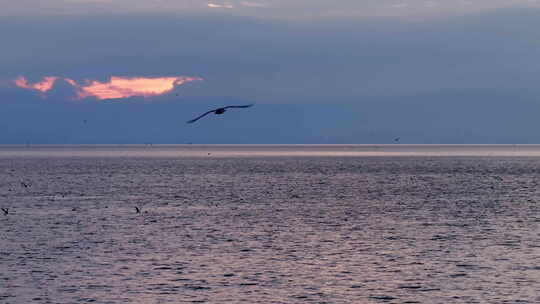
column 43, row 86
column 116, row 87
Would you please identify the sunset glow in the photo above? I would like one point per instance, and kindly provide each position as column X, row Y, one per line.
column 117, row 87
column 43, row 86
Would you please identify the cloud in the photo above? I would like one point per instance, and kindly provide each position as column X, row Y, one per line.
column 122, row 87
column 252, row 4
column 431, row 4
column 116, row 87
column 400, row 5
column 236, row 4
column 337, row 79
column 275, row 9
column 42, row 86
column 224, row 5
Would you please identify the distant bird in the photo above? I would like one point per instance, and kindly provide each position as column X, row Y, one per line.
column 6, row 211
column 24, row 184
column 396, row 139
column 137, row 209
column 219, row 111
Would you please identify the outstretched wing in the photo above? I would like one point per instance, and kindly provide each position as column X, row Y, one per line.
column 246, row 106
column 203, row 115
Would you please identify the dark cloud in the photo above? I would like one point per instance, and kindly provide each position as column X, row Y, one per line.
column 440, row 80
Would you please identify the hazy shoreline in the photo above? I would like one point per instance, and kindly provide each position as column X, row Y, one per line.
column 230, row 150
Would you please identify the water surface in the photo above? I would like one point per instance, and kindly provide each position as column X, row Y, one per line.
column 280, row 224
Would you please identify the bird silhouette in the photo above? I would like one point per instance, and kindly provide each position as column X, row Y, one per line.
column 219, row 111
column 137, row 209
column 24, row 184
column 6, row 211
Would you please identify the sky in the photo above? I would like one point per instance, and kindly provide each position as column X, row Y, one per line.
column 317, row 72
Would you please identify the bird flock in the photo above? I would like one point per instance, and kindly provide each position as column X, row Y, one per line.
column 217, row 111
column 26, row 185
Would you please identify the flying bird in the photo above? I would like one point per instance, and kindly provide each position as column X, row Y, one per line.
column 137, row 209
column 219, row 111
column 6, row 211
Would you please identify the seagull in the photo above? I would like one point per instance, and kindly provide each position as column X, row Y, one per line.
column 219, row 111
column 6, row 211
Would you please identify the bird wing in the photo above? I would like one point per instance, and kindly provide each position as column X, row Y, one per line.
column 246, row 106
column 195, row 119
